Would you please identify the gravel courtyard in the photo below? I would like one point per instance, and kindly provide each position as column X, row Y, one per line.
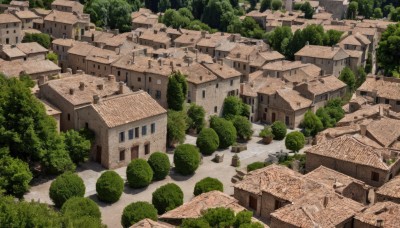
column 111, row 213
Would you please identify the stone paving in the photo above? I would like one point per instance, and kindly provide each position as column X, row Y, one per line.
column 111, row 213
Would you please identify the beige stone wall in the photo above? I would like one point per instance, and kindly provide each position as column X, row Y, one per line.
column 98, row 69
column 359, row 224
column 46, row 74
column 153, row 44
column 253, row 103
column 76, row 62
column 27, row 23
column 329, row 66
column 356, row 192
column 243, row 198
column 62, row 53
column 59, row 30
column 10, row 33
column 268, row 205
column 206, row 50
column 276, row 223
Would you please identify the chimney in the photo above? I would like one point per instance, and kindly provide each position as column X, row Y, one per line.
column 69, row 70
column 121, row 87
column 363, row 129
column 96, row 99
column 71, row 91
column 111, row 78
column 172, row 65
column 81, row 85
column 149, row 63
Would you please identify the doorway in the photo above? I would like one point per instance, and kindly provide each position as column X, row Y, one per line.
column 98, row 154
column 134, row 152
column 273, row 117
column 253, row 202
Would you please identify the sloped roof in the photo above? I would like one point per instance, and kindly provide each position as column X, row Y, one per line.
column 148, row 223
column 384, row 87
column 294, row 99
column 323, row 52
column 391, row 188
column 387, row 212
column 324, row 85
column 385, row 131
column 31, row 48
column 8, row 18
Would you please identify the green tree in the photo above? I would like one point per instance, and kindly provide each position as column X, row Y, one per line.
column 368, row 64
column 186, row 159
column 377, row 13
column 243, row 127
column 185, row 12
column 208, row 184
column 66, row 186
column 332, row 37
column 214, row 11
column 352, row 10
column 388, row 53
column 77, row 146
column 311, row 124
column 14, row 175
column 164, row 5
column 198, row 8
column 225, row 130
column 360, row 76
column 265, row 4
column 195, row 223
column 220, row 217
column 276, row 37
column 347, row 76
column 80, row 207
column 98, row 11
column 176, row 91
column 136, row 212
column 139, row 173
column 109, row 187
column 152, row 5
column 233, row 106
column 120, row 15
column 253, row 4
column 167, row 197
column 159, row 163
column 243, row 217
column 307, row 9
column 255, row 165
column 276, row 4
column 207, row 141
column 52, row 57
column 279, row 130
column 176, row 127
column 295, row 141
column 196, row 115
column 40, row 38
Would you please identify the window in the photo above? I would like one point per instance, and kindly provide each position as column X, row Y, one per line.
column 137, row 132
column 144, row 130
column 87, row 125
column 216, row 86
column 265, row 109
column 149, row 79
column 119, row 73
column 122, row 136
column 69, row 117
column 122, row 155
column 7, row 41
column 215, row 109
column 153, row 128
column 139, row 79
column 98, row 67
column 397, row 102
column 374, row 176
column 204, row 94
column 158, row 94
column 147, row 149
column 386, row 101
column 231, row 82
column 130, row 134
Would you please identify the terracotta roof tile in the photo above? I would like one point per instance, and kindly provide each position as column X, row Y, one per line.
column 388, row 88
column 385, row 131
column 323, row 52
column 391, row 188
column 31, row 48
column 8, row 18
column 294, row 99
column 148, row 223
column 387, row 212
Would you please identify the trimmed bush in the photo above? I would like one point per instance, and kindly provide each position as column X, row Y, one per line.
column 243, row 217
column 225, row 130
column 208, row 184
column 243, row 127
column 207, row 141
column 295, row 141
column 220, row 217
column 186, row 159
column 278, row 130
column 255, row 165
column 109, row 187
column 195, row 223
column 159, row 163
column 167, row 197
column 139, row 173
column 137, row 211
column 65, row 186
column 78, row 207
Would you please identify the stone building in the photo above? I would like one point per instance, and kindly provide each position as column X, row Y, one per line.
column 143, row 18
column 282, row 69
column 342, row 184
column 98, row 61
column 349, row 156
column 318, row 208
column 67, row 6
column 76, row 56
column 357, row 42
column 381, row 90
column 382, row 214
column 61, row 47
column 34, row 68
column 262, row 190
column 148, row 223
column 68, row 25
column 389, row 191
column 154, row 38
column 189, row 38
column 26, row 17
column 209, row 42
column 331, row 60
column 10, row 29
column 127, row 126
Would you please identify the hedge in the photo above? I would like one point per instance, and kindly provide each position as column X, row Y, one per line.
column 208, row 184
column 137, row 211
column 160, row 164
column 77, row 207
column 207, row 141
column 225, row 130
column 186, row 159
column 139, row 173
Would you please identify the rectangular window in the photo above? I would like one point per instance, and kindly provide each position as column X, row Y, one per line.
column 386, row 101
column 149, row 79
column 216, row 86
column 397, row 102
column 231, row 82
column 69, row 117
column 158, row 94
column 119, row 73
column 122, row 155
column 363, row 93
column 130, row 134
column 147, row 149
column 204, row 94
column 215, row 109
column 122, row 136
column 374, row 176
column 144, row 130
column 139, row 79
column 153, row 128
column 137, row 132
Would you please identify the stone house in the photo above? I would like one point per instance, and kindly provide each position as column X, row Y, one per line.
column 61, row 47
column 209, row 42
column 263, row 58
column 240, row 58
column 34, row 68
column 98, row 61
column 26, row 17
column 381, row 90
column 337, row 8
column 282, row 69
column 52, row 111
column 331, row 60
column 67, row 6
column 33, row 51
column 148, row 223
column 189, row 38
column 20, row 5
column 154, row 38
column 72, row 92
column 143, row 18
column 76, row 56
column 382, row 214
column 349, row 156
column 321, row 90
column 319, row 208
column 223, row 49
column 127, row 126
column 59, row 24
column 10, row 29
column 342, row 184
column 389, row 191
column 261, row 191
column 357, row 42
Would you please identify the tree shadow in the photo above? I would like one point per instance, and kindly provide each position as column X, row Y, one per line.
column 91, row 165
column 178, row 177
column 96, row 200
column 133, row 191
